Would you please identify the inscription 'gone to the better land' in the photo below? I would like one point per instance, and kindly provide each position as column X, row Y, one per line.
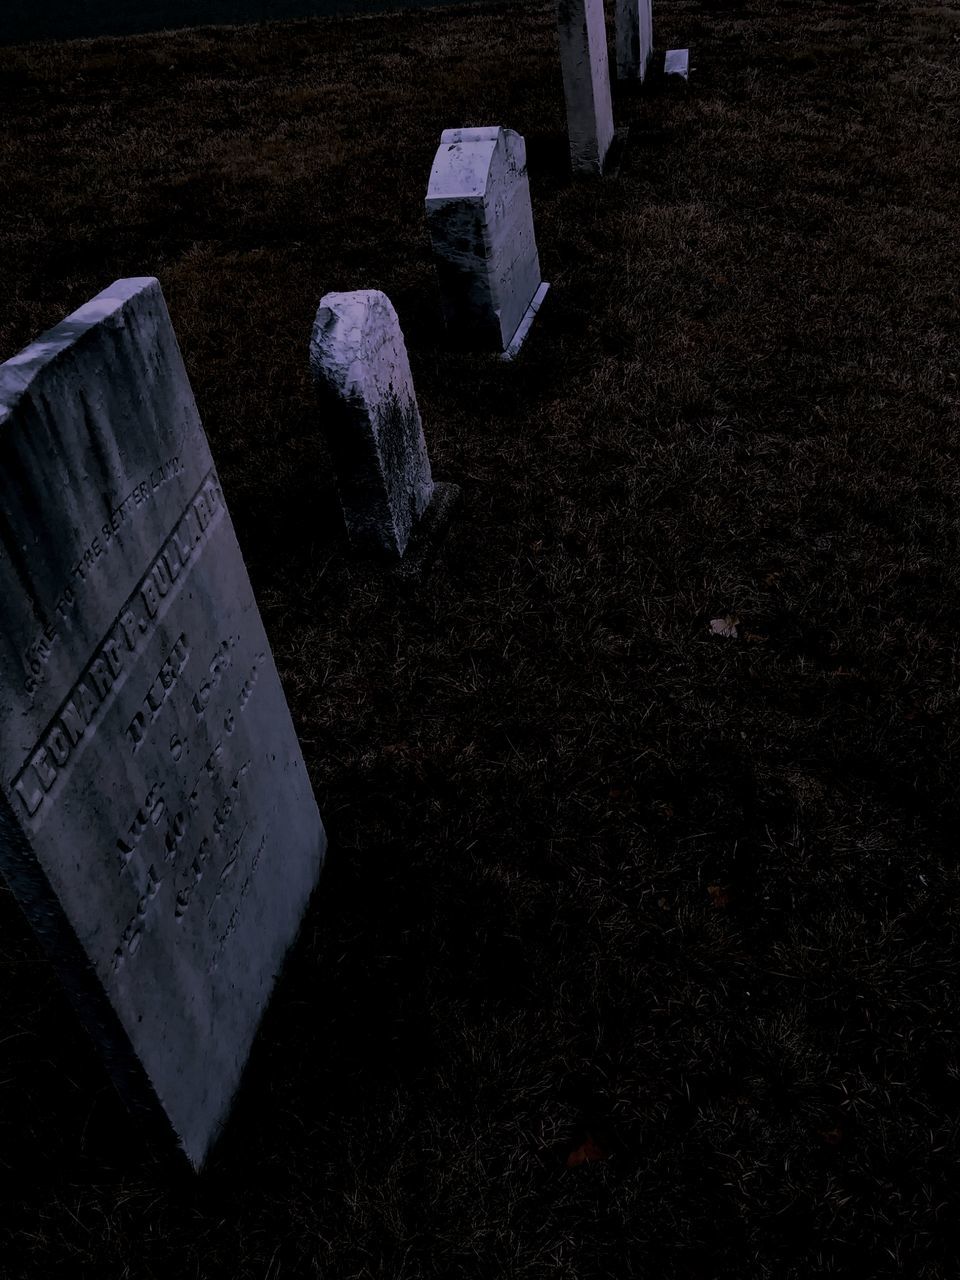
column 131, row 630
column 154, row 805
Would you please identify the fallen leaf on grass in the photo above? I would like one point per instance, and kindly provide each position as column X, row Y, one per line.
column 585, row 1153
column 725, row 626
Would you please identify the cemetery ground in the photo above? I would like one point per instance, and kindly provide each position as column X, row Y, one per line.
column 636, row 949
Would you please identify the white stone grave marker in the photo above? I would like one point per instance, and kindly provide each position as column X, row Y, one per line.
column 371, row 420
column 586, row 82
column 156, row 820
column 634, row 26
column 481, row 227
column 676, row 62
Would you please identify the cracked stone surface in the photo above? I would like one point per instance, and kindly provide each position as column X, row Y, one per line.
column 370, row 418
column 481, row 227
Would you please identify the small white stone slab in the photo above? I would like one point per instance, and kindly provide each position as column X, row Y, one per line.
column 371, row 419
column 677, row 63
column 156, row 819
column 634, row 38
column 586, row 83
column 481, row 227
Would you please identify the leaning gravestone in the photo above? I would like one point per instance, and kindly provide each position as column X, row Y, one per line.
column 156, row 820
column 371, row 420
column 481, row 228
column 586, row 82
column 634, row 38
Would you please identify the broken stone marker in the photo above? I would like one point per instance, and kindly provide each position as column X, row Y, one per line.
column 677, row 63
column 634, row 38
column 586, row 83
column 481, row 227
column 372, row 423
column 156, row 819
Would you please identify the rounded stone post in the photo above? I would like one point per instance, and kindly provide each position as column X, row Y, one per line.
column 370, row 419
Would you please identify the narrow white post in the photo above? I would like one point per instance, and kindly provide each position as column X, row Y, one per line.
column 586, row 82
column 634, row 38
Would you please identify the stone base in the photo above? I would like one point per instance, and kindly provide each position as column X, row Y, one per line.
column 676, row 62
column 611, row 165
column 636, row 86
column 427, row 534
column 523, row 328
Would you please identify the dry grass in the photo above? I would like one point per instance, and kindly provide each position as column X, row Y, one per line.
column 596, row 872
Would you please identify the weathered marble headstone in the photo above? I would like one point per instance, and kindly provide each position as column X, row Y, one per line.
column 371, row 420
column 481, row 227
column 156, row 819
column 586, row 82
column 634, row 25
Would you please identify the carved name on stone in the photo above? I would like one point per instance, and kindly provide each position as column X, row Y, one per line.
column 156, row 819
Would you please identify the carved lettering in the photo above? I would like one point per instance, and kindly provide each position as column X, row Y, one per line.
column 158, row 692
column 94, row 689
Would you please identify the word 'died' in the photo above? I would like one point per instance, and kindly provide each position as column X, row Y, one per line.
column 159, row 691
column 53, row 753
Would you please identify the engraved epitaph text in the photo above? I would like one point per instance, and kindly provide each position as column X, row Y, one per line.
column 156, row 820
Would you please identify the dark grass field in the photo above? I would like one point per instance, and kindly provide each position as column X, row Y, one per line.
column 22, row 20
column 637, row 950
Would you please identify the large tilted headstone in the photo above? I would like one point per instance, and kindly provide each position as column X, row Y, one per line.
column 634, row 26
column 371, row 420
column 586, row 82
column 156, row 819
column 481, row 228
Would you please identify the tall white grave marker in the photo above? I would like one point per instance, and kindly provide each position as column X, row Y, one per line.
column 634, row 24
column 586, row 82
column 156, row 819
column 481, row 227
